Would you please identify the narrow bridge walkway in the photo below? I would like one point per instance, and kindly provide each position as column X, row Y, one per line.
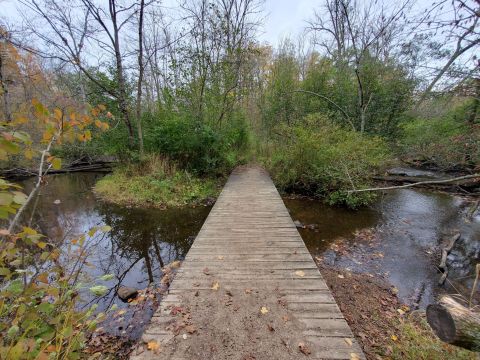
column 248, row 288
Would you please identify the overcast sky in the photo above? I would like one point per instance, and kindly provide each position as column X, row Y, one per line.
column 286, row 18
column 282, row 17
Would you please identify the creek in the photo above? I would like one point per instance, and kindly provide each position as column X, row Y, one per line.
column 398, row 238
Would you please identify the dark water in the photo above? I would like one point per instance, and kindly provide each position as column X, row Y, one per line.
column 140, row 243
column 408, row 227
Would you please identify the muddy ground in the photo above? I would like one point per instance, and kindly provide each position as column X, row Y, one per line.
column 384, row 327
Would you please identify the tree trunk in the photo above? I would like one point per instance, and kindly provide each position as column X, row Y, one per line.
column 140, row 78
column 454, row 323
column 122, row 91
column 3, row 83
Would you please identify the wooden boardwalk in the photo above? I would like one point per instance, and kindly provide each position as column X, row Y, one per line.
column 249, row 269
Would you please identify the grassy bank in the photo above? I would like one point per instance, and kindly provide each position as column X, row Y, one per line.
column 155, row 182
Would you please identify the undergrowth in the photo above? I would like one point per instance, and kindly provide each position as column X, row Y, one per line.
column 155, row 182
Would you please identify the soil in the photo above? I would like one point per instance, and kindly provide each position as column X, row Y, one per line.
column 208, row 334
column 369, row 305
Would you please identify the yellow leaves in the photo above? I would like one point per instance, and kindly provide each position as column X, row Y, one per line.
column 394, row 337
column 39, row 108
column 264, row 310
column 215, row 285
column 57, row 163
column 300, row 273
column 153, row 346
column 101, row 125
column 348, row 341
column 29, row 154
column 42, row 244
column 57, row 114
column 86, row 136
column 43, row 277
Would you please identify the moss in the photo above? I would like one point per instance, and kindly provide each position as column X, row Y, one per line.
column 155, row 182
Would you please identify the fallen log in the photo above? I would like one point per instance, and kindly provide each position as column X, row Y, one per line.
column 420, row 183
column 454, row 323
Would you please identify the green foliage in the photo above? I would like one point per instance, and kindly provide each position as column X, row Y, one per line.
column 324, row 159
column 154, row 182
column 39, row 286
column 447, row 140
column 198, row 147
column 280, row 97
column 328, row 87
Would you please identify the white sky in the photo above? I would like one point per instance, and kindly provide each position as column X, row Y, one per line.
column 286, row 18
column 282, row 18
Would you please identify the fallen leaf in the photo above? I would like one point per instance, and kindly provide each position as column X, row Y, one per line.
column 341, row 276
column 400, row 311
column 394, row 337
column 190, row 329
column 348, row 341
column 263, row 310
column 354, row 356
column 215, row 286
column 270, row 327
column 184, row 336
column 220, row 257
column 304, row 348
column 300, row 273
column 153, row 346
column 248, row 291
column 285, row 318
column 176, row 310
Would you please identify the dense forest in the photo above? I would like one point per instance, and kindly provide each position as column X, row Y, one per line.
column 177, row 96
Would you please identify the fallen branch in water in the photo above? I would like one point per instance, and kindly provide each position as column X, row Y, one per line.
column 443, row 262
column 472, row 210
column 466, row 177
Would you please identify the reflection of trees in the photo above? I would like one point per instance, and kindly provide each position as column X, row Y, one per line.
column 155, row 236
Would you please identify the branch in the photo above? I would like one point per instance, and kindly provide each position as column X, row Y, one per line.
column 474, row 176
column 331, row 102
column 40, row 176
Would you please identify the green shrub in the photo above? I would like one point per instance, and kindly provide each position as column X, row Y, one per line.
column 323, row 159
column 448, row 141
column 199, row 147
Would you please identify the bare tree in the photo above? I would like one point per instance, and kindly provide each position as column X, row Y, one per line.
column 461, row 27
column 65, row 30
column 357, row 33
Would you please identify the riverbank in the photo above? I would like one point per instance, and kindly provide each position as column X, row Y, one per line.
column 156, row 183
column 384, row 327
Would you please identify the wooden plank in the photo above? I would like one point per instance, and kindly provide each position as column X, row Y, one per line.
column 249, row 242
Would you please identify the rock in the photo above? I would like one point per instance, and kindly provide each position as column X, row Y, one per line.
column 298, row 224
column 125, row 293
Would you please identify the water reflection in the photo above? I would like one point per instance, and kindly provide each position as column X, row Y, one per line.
column 140, row 243
column 410, row 226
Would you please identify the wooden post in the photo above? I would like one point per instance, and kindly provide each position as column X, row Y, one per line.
column 454, row 323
